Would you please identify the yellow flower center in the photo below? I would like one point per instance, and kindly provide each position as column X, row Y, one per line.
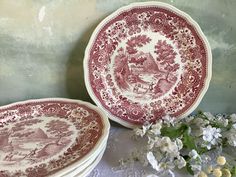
column 217, row 172
column 202, row 174
column 221, row 160
column 226, row 172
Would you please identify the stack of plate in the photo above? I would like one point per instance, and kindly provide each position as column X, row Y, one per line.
column 144, row 61
column 51, row 137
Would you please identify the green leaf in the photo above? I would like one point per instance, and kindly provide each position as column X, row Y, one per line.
column 233, row 171
column 174, row 132
column 202, row 115
column 188, row 141
column 188, row 168
column 202, row 150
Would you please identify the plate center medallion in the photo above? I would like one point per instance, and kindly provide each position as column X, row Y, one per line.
column 146, row 66
column 33, row 141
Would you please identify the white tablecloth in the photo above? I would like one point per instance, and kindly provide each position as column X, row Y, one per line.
column 120, row 145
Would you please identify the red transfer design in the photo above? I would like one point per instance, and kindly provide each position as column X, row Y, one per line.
column 41, row 138
column 147, row 62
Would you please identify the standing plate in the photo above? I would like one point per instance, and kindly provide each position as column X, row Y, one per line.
column 49, row 137
column 147, row 60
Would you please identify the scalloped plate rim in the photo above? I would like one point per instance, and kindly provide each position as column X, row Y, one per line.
column 98, row 146
column 141, row 4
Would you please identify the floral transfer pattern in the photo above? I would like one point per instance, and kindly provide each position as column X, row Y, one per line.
column 145, row 63
column 41, row 138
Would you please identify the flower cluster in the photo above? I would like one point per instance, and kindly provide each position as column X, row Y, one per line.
column 195, row 143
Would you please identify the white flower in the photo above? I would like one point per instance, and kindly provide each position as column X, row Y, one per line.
column 146, row 126
column 156, row 128
column 195, row 161
column 211, row 136
column 168, row 120
column 168, row 146
column 233, row 117
column 171, row 173
column 225, row 122
column 169, row 164
column 209, row 115
column 196, row 167
column 152, row 160
column 231, row 137
column 207, row 145
column 180, row 162
column 162, row 153
column 222, row 120
column 199, row 122
column 179, row 143
column 189, row 119
column 153, row 142
column 141, row 132
column 193, row 154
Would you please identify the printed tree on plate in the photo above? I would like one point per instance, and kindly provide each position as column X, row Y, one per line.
column 17, row 129
column 166, row 55
column 166, row 58
column 137, row 41
column 59, row 129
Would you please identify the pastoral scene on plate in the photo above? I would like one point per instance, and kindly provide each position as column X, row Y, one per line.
column 143, row 74
column 33, row 140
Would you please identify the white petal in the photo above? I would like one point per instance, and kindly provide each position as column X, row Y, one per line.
column 180, row 162
column 179, row 143
column 171, row 173
column 209, row 115
column 152, row 160
column 233, row 117
column 193, row 154
column 234, row 125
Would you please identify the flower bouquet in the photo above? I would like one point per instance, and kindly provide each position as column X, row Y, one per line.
column 196, row 143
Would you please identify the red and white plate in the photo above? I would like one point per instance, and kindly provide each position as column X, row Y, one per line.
column 147, row 60
column 83, row 172
column 50, row 137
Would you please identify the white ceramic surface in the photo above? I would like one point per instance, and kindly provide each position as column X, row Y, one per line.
column 48, row 135
column 79, row 172
column 128, row 94
column 87, row 164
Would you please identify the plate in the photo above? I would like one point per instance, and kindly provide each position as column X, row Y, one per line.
column 88, row 168
column 49, row 137
column 147, row 60
column 88, row 163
